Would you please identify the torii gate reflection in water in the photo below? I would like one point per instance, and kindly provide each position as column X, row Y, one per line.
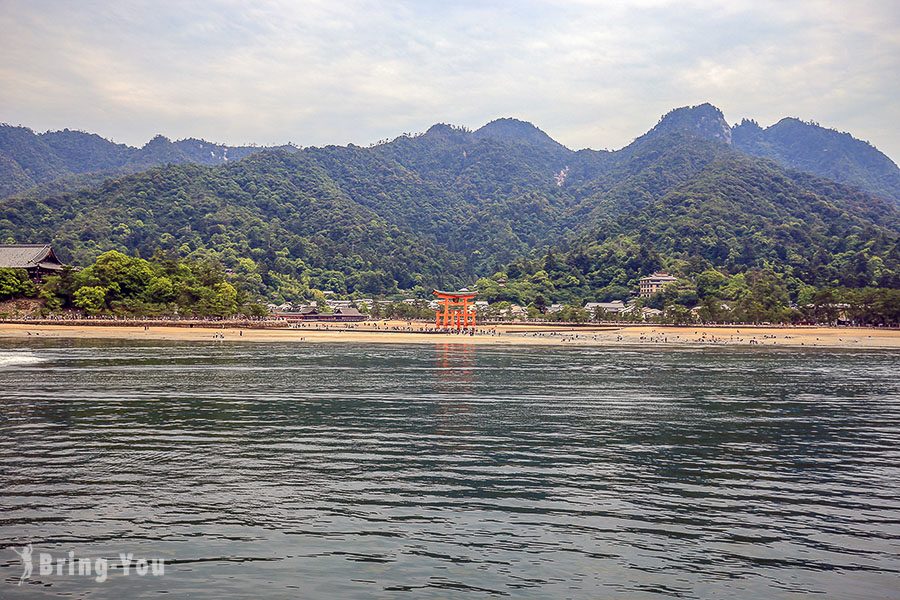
column 456, row 311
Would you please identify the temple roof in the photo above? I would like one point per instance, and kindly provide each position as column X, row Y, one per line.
column 28, row 256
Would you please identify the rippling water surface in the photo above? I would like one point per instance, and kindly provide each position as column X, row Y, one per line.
column 445, row 471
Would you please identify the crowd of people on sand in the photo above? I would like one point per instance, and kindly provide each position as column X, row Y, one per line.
column 700, row 337
column 388, row 327
column 220, row 335
column 653, row 337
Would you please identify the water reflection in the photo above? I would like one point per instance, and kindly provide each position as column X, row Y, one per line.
column 455, row 366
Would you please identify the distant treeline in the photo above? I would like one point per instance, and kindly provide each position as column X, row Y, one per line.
column 701, row 294
column 117, row 284
column 120, row 285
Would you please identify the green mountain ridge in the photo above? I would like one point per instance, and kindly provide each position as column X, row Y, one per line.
column 59, row 158
column 813, row 149
column 29, row 159
column 450, row 205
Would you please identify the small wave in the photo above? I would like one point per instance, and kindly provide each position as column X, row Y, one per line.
column 18, row 359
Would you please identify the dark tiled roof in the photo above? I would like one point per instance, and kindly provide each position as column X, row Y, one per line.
column 28, row 256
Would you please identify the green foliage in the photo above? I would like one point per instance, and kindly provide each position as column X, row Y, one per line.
column 65, row 160
column 447, row 207
column 571, row 314
column 15, row 282
column 824, row 152
column 403, row 310
column 277, row 221
column 90, row 298
column 160, row 290
column 126, row 285
column 223, row 300
column 758, row 295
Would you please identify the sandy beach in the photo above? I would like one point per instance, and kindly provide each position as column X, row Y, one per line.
column 396, row 332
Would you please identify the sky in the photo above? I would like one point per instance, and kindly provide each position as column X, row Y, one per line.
column 592, row 74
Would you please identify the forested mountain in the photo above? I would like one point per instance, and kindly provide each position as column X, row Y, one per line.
column 824, row 152
column 277, row 208
column 450, row 205
column 794, row 144
column 66, row 160
column 735, row 214
column 28, row 159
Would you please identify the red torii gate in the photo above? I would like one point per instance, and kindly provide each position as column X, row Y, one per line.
column 462, row 315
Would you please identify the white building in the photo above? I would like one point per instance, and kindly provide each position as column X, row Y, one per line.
column 338, row 303
column 649, row 313
column 653, row 283
column 615, row 307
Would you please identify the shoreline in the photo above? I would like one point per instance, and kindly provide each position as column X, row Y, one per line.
column 400, row 332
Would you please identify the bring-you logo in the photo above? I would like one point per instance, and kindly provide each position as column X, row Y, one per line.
column 49, row 565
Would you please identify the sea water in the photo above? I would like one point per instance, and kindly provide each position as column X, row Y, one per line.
column 450, row 471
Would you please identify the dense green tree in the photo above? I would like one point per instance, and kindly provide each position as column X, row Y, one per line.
column 15, row 282
column 90, row 298
column 120, row 284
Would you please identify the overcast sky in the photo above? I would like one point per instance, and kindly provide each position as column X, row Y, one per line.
column 591, row 74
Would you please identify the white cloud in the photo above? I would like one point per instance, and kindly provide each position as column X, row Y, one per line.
column 592, row 74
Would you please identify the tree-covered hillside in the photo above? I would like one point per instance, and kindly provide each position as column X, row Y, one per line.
column 121, row 285
column 450, row 205
column 810, row 148
column 278, row 210
column 737, row 215
column 29, row 159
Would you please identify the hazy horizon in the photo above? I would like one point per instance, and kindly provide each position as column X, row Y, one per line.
column 591, row 75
